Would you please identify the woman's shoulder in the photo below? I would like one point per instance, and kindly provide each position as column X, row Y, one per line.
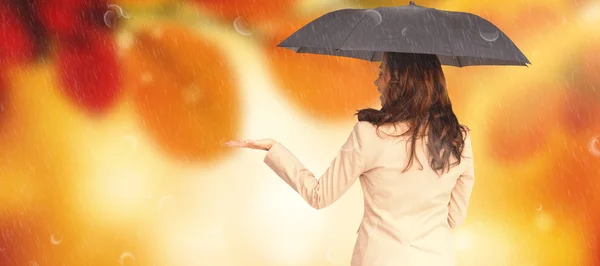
column 368, row 129
column 367, row 124
column 364, row 127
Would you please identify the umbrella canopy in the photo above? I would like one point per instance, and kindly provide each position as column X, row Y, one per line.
column 457, row 38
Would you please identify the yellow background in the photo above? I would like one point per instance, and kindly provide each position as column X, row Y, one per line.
column 84, row 189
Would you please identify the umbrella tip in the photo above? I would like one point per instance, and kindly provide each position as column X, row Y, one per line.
column 411, row 2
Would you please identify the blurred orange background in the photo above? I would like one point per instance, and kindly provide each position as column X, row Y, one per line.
column 113, row 116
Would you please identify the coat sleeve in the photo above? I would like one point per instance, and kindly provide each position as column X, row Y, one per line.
column 346, row 167
column 461, row 193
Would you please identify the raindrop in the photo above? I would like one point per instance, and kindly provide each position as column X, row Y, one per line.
column 489, row 34
column 111, row 18
column 127, row 259
column 594, row 146
column 404, row 31
column 539, row 208
column 376, row 16
column 242, row 27
column 55, row 239
column 164, row 202
column 543, row 221
column 33, row 263
column 119, row 11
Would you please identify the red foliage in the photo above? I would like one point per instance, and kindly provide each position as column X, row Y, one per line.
column 90, row 72
column 66, row 19
column 16, row 43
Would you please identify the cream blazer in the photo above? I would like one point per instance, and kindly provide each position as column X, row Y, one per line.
column 408, row 216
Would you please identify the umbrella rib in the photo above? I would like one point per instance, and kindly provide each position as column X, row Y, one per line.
column 450, row 43
column 352, row 31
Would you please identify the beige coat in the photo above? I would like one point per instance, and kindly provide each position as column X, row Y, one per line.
column 408, row 216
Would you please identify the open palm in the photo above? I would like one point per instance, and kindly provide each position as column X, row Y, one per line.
column 261, row 144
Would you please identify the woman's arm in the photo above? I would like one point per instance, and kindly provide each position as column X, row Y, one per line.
column 347, row 166
column 461, row 193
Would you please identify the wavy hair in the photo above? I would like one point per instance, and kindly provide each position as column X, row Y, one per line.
column 417, row 95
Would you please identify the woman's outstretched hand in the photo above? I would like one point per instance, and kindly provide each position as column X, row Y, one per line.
column 261, row 144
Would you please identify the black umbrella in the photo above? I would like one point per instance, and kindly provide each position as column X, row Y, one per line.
column 457, row 38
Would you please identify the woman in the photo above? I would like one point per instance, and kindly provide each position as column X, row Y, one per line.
column 409, row 209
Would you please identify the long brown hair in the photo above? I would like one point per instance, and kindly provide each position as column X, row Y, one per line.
column 417, row 95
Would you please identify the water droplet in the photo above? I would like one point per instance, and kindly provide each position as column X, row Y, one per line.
column 33, row 263
column 489, row 35
column 242, row 27
column 489, row 32
column 119, row 11
column 543, row 221
column 111, row 18
column 539, row 208
column 594, row 146
column 164, row 202
column 127, row 259
column 404, row 31
column 55, row 239
column 375, row 16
